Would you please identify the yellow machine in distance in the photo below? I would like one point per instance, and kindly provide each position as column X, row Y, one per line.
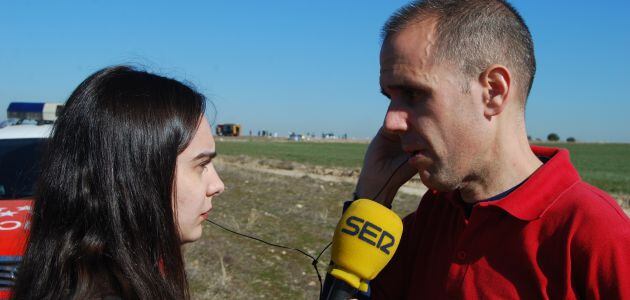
column 228, row 130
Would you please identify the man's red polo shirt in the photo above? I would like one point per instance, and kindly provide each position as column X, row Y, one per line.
column 554, row 237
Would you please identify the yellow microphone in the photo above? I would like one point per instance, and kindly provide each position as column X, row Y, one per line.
column 365, row 240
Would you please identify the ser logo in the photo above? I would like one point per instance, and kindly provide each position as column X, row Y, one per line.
column 368, row 232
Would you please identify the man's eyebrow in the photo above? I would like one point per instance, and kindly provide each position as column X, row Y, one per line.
column 207, row 155
column 405, row 83
column 418, row 86
column 411, row 84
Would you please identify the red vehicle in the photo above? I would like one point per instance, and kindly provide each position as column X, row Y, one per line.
column 20, row 152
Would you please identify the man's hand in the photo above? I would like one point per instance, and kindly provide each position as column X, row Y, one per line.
column 383, row 157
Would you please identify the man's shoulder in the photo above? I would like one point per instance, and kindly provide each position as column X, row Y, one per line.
column 590, row 214
column 587, row 201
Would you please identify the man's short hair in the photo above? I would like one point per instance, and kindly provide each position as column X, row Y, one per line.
column 474, row 34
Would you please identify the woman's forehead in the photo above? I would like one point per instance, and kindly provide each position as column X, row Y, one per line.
column 201, row 142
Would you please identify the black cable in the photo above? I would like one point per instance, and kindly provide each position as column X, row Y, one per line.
column 390, row 178
column 377, row 194
column 260, row 240
column 314, row 260
column 320, row 253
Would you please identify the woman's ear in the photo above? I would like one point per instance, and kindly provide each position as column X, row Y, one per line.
column 496, row 82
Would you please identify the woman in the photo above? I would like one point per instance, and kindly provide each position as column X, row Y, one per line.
column 127, row 178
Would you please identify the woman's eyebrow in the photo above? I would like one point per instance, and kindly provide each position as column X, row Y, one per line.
column 206, row 155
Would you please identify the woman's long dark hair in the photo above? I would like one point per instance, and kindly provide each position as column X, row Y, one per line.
column 103, row 221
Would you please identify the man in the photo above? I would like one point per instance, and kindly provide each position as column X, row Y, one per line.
column 501, row 219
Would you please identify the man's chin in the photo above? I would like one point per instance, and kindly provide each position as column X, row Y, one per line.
column 434, row 182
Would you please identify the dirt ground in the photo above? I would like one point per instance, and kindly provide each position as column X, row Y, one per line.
column 292, row 169
column 282, row 202
column 293, row 209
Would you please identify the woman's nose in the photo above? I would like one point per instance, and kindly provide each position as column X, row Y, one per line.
column 215, row 186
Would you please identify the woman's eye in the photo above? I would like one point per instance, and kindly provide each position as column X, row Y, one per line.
column 205, row 164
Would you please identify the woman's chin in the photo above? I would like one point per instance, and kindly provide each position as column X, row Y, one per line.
column 192, row 236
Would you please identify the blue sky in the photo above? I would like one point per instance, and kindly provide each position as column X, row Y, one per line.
column 305, row 66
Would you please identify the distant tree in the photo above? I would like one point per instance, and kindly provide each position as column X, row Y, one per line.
column 553, row 137
column 529, row 137
column 571, row 140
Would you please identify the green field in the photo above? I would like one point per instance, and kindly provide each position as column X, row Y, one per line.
column 606, row 166
column 332, row 154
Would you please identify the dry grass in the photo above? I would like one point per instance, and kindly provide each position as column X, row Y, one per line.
column 297, row 212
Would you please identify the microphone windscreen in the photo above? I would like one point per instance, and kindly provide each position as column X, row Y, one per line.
column 365, row 240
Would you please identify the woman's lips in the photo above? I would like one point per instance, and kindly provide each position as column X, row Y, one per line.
column 205, row 215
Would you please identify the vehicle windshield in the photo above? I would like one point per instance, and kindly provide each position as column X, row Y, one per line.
column 19, row 167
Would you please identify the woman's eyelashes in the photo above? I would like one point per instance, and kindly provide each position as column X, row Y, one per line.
column 204, row 163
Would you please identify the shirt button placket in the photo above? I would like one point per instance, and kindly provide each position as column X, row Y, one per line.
column 461, row 256
column 457, row 272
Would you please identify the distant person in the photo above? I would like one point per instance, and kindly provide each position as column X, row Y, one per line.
column 126, row 180
column 501, row 219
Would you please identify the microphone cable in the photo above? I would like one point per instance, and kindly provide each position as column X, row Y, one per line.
column 314, row 260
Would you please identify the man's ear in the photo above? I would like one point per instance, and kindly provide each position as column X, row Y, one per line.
column 496, row 82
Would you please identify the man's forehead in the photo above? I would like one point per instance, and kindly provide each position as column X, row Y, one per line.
column 400, row 71
column 413, row 45
column 404, row 75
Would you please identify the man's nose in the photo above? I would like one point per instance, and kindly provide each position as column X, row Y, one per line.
column 396, row 119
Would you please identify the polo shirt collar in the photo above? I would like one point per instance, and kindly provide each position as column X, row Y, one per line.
column 538, row 193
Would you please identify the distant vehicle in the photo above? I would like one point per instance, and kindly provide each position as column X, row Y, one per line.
column 228, row 130
column 42, row 113
column 329, row 136
column 296, row 137
column 20, row 155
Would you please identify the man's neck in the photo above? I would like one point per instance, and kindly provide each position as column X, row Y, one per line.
column 506, row 167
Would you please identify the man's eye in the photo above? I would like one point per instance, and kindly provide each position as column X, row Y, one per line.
column 413, row 94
